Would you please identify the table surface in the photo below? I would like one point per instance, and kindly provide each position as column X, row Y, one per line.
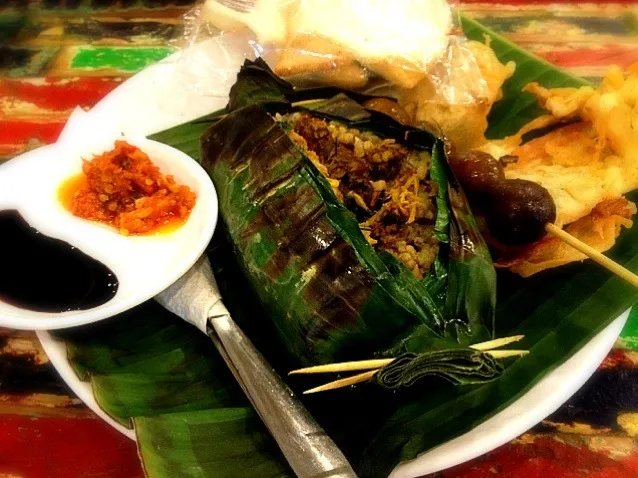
column 56, row 54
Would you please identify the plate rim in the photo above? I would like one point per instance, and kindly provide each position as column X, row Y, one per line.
column 57, row 353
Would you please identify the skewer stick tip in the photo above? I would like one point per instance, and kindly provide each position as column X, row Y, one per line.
column 344, row 382
column 500, row 354
column 496, row 343
column 344, row 366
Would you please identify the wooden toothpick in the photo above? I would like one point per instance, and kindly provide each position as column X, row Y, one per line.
column 344, row 382
column 344, row 366
column 499, row 354
column 496, row 343
column 593, row 254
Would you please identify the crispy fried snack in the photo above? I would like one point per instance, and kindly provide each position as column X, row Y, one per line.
column 587, row 166
column 599, row 229
column 464, row 124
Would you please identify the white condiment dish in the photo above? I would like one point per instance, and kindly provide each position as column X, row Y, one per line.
column 143, row 265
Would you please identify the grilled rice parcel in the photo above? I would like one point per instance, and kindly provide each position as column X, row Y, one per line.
column 342, row 217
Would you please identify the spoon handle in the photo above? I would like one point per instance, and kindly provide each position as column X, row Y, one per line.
column 309, row 450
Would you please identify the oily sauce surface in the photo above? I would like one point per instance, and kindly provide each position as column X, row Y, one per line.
column 44, row 274
column 124, row 189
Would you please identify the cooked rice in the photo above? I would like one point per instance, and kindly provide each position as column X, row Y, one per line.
column 382, row 181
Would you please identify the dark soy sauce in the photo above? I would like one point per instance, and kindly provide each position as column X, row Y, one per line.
column 44, row 274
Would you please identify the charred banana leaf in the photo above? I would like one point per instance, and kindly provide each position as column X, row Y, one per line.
column 331, row 295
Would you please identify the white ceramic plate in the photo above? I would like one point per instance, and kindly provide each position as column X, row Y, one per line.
column 173, row 92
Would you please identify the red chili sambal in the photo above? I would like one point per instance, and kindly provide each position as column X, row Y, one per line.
column 124, row 189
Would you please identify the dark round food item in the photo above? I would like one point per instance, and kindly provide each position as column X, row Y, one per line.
column 389, row 108
column 518, row 211
column 477, row 172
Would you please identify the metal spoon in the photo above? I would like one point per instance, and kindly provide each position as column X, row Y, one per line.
column 308, row 449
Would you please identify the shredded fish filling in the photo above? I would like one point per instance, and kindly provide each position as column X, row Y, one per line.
column 383, row 182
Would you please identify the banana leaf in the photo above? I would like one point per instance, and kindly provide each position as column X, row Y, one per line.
column 559, row 311
column 179, row 445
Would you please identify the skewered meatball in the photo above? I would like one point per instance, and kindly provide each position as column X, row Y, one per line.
column 478, row 172
column 515, row 210
column 518, row 212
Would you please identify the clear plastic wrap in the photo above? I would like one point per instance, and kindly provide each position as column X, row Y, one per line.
column 387, row 46
column 210, row 57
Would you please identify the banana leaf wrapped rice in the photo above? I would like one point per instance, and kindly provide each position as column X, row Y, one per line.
column 380, row 180
column 349, row 225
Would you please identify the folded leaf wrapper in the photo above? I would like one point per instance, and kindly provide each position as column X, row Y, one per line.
column 459, row 367
column 359, row 45
column 330, row 294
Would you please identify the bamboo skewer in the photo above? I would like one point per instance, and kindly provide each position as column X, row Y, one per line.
column 593, row 254
column 496, row 343
column 345, row 366
column 343, row 382
column 499, row 354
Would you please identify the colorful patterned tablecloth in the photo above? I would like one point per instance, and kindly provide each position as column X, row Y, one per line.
column 56, row 54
